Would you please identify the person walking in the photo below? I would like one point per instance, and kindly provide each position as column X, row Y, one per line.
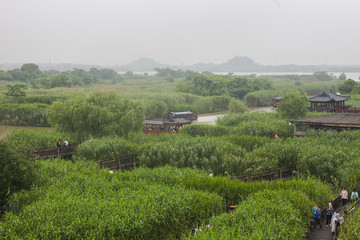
column 354, row 196
column 329, row 213
column 344, row 196
column 58, row 146
column 317, row 216
column 336, row 220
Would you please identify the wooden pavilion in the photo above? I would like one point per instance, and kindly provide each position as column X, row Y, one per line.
column 328, row 101
column 340, row 121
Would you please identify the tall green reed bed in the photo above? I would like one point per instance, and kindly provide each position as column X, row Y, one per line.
column 79, row 201
column 33, row 139
column 280, row 214
column 231, row 191
column 350, row 229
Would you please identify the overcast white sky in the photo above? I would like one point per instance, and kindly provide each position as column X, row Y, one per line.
column 116, row 32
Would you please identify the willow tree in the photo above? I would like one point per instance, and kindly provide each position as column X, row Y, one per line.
column 96, row 115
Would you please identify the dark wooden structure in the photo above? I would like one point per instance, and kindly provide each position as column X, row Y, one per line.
column 54, row 152
column 271, row 175
column 120, row 163
column 164, row 126
column 340, row 121
column 328, row 101
column 171, row 116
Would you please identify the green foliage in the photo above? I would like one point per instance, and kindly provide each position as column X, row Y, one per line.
column 234, row 119
column 212, row 104
column 24, row 114
column 266, row 129
column 105, row 148
column 259, row 98
column 155, row 109
column 350, row 228
column 60, row 80
column 79, row 201
column 216, row 85
column 167, row 72
column 293, row 105
column 205, row 130
column 209, row 154
column 347, row 86
column 239, row 87
column 236, row 106
column 262, row 217
column 16, row 172
column 45, row 99
column 15, row 90
column 34, row 139
column 98, row 114
column 322, row 76
column 342, row 76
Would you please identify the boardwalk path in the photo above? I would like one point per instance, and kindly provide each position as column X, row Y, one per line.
column 326, row 233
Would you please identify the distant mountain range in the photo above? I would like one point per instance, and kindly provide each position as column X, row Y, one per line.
column 236, row 64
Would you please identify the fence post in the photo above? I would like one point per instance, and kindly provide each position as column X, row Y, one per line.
column 280, row 174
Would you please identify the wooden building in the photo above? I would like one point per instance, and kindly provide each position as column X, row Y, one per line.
column 328, row 101
column 164, row 126
column 340, row 121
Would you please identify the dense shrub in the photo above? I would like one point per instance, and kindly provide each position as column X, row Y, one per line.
column 16, row 172
column 277, row 214
column 202, row 153
column 33, row 139
column 266, row 129
column 24, row 114
column 105, row 148
column 205, row 130
column 79, row 201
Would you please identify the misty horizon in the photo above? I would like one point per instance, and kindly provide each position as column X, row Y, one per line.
column 181, row 33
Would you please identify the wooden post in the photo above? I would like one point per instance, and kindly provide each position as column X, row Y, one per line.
column 280, row 174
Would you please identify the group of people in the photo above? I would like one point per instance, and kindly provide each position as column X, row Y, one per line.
column 65, row 143
column 333, row 218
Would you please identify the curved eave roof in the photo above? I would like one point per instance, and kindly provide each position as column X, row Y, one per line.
column 327, row 96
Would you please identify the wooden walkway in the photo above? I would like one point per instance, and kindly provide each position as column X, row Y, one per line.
column 54, row 152
column 325, row 233
column 271, row 175
column 120, row 163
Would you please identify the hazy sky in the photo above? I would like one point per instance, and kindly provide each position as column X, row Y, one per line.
column 116, row 32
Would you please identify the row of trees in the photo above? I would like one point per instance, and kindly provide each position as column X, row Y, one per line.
column 217, row 85
column 31, row 74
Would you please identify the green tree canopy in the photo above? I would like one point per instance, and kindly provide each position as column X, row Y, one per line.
column 347, row 86
column 236, row 106
column 342, row 76
column 15, row 90
column 98, row 114
column 322, row 76
column 293, row 105
column 16, row 172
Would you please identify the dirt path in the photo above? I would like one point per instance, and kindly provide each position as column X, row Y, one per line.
column 211, row 119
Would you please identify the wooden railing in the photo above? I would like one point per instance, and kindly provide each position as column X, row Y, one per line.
column 120, row 163
column 271, row 175
column 54, row 152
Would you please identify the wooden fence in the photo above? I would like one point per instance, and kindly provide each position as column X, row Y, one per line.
column 271, row 175
column 120, row 163
column 54, row 152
